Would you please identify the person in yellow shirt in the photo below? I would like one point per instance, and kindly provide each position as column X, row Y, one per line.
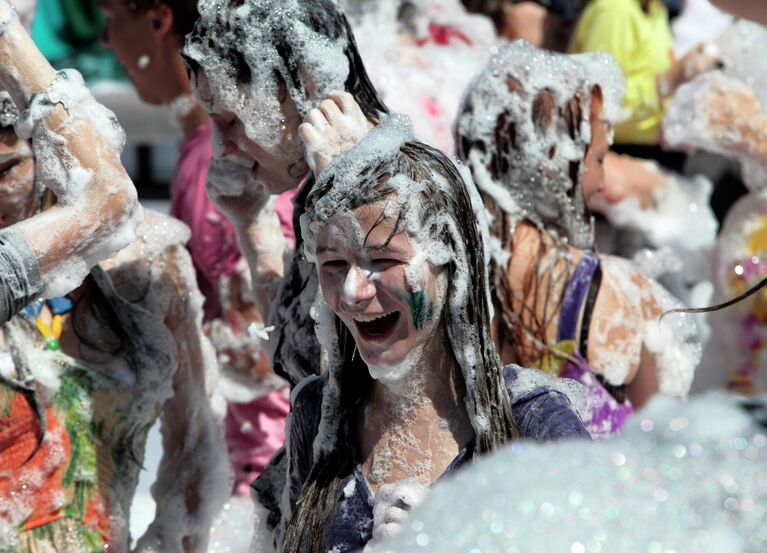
column 638, row 35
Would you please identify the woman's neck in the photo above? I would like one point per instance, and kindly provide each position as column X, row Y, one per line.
column 417, row 426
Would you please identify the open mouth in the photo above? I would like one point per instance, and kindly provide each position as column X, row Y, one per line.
column 376, row 327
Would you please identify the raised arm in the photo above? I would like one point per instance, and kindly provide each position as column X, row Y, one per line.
column 251, row 211
column 193, row 479
column 77, row 144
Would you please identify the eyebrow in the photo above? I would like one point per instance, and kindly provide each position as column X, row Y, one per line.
column 387, row 247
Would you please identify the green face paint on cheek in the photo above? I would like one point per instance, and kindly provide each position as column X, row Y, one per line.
column 421, row 307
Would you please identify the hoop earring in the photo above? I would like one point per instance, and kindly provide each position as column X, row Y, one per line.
column 354, row 353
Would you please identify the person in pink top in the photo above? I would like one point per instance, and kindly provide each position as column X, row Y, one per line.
column 146, row 36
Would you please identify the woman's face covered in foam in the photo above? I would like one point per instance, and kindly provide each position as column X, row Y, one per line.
column 267, row 147
column 379, row 282
column 259, row 66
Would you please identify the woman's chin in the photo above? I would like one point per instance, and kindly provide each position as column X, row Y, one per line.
column 391, row 367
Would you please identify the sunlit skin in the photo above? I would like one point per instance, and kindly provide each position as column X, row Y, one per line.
column 641, row 381
column 18, row 202
column 279, row 170
column 363, row 278
column 17, row 178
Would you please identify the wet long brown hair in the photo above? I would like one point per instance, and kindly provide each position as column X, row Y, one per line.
column 467, row 321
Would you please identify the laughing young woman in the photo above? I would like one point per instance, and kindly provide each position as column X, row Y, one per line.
column 414, row 387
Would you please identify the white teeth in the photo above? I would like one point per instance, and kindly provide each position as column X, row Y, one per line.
column 371, row 318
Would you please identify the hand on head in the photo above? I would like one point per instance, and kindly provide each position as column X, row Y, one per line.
column 332, row 129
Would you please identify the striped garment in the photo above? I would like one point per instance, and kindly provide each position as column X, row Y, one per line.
column 541, row 413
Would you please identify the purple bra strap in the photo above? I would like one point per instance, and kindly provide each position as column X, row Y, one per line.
column 575, row 293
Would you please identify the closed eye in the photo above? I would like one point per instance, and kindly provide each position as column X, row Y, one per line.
column 334, row 264
column 386, row 262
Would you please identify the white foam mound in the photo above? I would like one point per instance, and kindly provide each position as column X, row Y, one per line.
column 420, row 56
column 682, row 477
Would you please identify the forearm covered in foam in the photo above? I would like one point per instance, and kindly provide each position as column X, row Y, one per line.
column 76, row 143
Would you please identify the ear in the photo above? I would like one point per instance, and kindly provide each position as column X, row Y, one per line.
column 162, row 21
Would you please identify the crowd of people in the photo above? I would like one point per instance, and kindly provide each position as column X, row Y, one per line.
column 414, row 248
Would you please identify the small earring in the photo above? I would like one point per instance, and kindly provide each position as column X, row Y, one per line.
column 354, row 353
column 143, row 61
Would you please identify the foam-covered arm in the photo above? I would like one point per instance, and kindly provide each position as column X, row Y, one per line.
column 720, row 114
column 251, row 210
column 629, row 177
column 20, row 280
column 193, row 479
column 77, row 144
column 264, row 247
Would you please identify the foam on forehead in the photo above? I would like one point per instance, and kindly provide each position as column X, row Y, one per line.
column 346, row 184
column 248, row 48
column 534, row 169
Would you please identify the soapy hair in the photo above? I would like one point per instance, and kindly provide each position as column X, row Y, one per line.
column 294, row 66
column 524, row 130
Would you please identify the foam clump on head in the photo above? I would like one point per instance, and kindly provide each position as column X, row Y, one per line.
column 340, row 180
column 520, row 156
column 248, row 49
